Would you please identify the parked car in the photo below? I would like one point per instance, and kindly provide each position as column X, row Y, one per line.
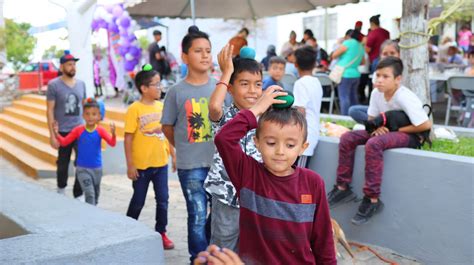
column 35, row 75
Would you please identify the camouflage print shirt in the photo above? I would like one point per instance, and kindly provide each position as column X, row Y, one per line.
column 217, row 182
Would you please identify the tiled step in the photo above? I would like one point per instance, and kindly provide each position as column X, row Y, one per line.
column 36, row 108
column 28, row 144
column 33, row 131
column 38, row 99
column 35, row 119
column 27, row 162
column 113, row 113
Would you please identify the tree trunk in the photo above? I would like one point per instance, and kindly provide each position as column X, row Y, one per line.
column 415, row 73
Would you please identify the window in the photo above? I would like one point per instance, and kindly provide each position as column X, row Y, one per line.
column 317, row 24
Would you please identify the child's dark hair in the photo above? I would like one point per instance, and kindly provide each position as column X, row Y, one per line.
column 90, row 103
column 392, row 62
column 143, row 78
column 244, row 65
column 305, row 58
column 193, row 33
column 277, row 60
column 289, row 116
column 375, row 19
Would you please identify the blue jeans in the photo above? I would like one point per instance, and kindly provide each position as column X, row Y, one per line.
column 348, row 93
column 359, row 113
column 192, row 181
column 159, row 177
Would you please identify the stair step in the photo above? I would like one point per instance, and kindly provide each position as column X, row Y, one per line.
column 33, row 131
column 33, row 146
column 27, row 162
column 114, row 113
column 36, row 108
column 38, row 99
column 36, row 119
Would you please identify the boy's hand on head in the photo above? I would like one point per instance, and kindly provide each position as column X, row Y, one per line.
column 267, row 99
column 132, row 173
column 225, row 60
column 380, row 131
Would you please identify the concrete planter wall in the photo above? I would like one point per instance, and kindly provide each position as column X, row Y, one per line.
column 428, row 200
column 63, row 230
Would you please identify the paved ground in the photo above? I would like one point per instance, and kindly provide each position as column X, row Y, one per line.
column 116, row 191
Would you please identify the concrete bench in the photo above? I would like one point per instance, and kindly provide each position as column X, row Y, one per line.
column 428, row 202
column 62, row 230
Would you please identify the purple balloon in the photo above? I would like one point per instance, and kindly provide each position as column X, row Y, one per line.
column 129, row 65
column 123, row 50
column 125, row 22
column 117, row 11
column 113, row 28
column 109, row 9
column 134, row 51
column 95, row 25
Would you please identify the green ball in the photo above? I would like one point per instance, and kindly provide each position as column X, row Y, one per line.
column 290, row 99
column 147, row 67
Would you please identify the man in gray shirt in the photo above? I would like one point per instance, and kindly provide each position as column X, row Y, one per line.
column 65, row 97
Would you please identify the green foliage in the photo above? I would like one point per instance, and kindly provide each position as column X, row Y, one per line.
column 464, row 13
column 143, row 42
column 465, row 146
column 347, row 124
column 2, row 38
column 52, row 53
column 19, row 43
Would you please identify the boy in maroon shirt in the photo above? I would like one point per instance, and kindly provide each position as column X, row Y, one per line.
column 284, row 215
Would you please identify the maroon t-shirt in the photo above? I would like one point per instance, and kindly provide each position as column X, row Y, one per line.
column 283, row 220
column 375, row 38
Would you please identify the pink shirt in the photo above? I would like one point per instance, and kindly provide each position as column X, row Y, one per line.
column 464, row 37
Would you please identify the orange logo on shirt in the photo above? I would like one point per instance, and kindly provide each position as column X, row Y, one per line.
column 306, row 198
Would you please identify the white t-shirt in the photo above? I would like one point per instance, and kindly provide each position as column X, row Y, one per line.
column 403, row 99
column 308, row 94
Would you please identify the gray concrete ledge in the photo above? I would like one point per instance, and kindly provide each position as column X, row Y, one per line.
column 428, row 202
column 66, row 231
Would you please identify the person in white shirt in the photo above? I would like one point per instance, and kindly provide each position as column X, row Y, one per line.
column 308, row 94
column 389, row 94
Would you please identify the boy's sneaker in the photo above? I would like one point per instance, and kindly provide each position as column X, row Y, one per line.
column 61, row 191
column 167, row 243
column 366, row 210
column 337, row 197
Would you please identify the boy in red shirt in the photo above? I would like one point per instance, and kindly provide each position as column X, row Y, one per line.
column 284, row 215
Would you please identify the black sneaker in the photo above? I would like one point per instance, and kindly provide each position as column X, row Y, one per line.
column 337, row 197
column 367, row 209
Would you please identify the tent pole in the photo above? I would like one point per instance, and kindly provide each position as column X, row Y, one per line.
column 193, row 12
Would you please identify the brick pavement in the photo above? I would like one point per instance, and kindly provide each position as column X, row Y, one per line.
column 116, row 191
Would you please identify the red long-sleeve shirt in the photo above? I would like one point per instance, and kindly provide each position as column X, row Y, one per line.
column 89, row 154
column 283, row 220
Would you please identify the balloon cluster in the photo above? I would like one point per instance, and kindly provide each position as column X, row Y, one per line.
column 117, row 20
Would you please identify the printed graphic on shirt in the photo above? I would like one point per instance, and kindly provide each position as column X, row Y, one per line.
column 149, row 123
column 71, row 107
column 306, row 198
column 197, row 115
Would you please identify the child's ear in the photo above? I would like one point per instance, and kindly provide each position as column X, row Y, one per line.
column 305, row 145
column 184, row 58
column 257, row 144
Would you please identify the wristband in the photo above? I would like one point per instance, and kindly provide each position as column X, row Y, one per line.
column 223, row 83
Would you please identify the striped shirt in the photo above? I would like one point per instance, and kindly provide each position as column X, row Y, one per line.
column 283, row 220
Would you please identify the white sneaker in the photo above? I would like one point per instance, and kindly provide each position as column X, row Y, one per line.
column 81, row 198
column 61, row 191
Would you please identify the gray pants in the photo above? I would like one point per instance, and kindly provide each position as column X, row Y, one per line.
column 90, row 178
column 224, row 225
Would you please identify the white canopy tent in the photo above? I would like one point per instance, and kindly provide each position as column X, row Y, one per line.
column 227, row 9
